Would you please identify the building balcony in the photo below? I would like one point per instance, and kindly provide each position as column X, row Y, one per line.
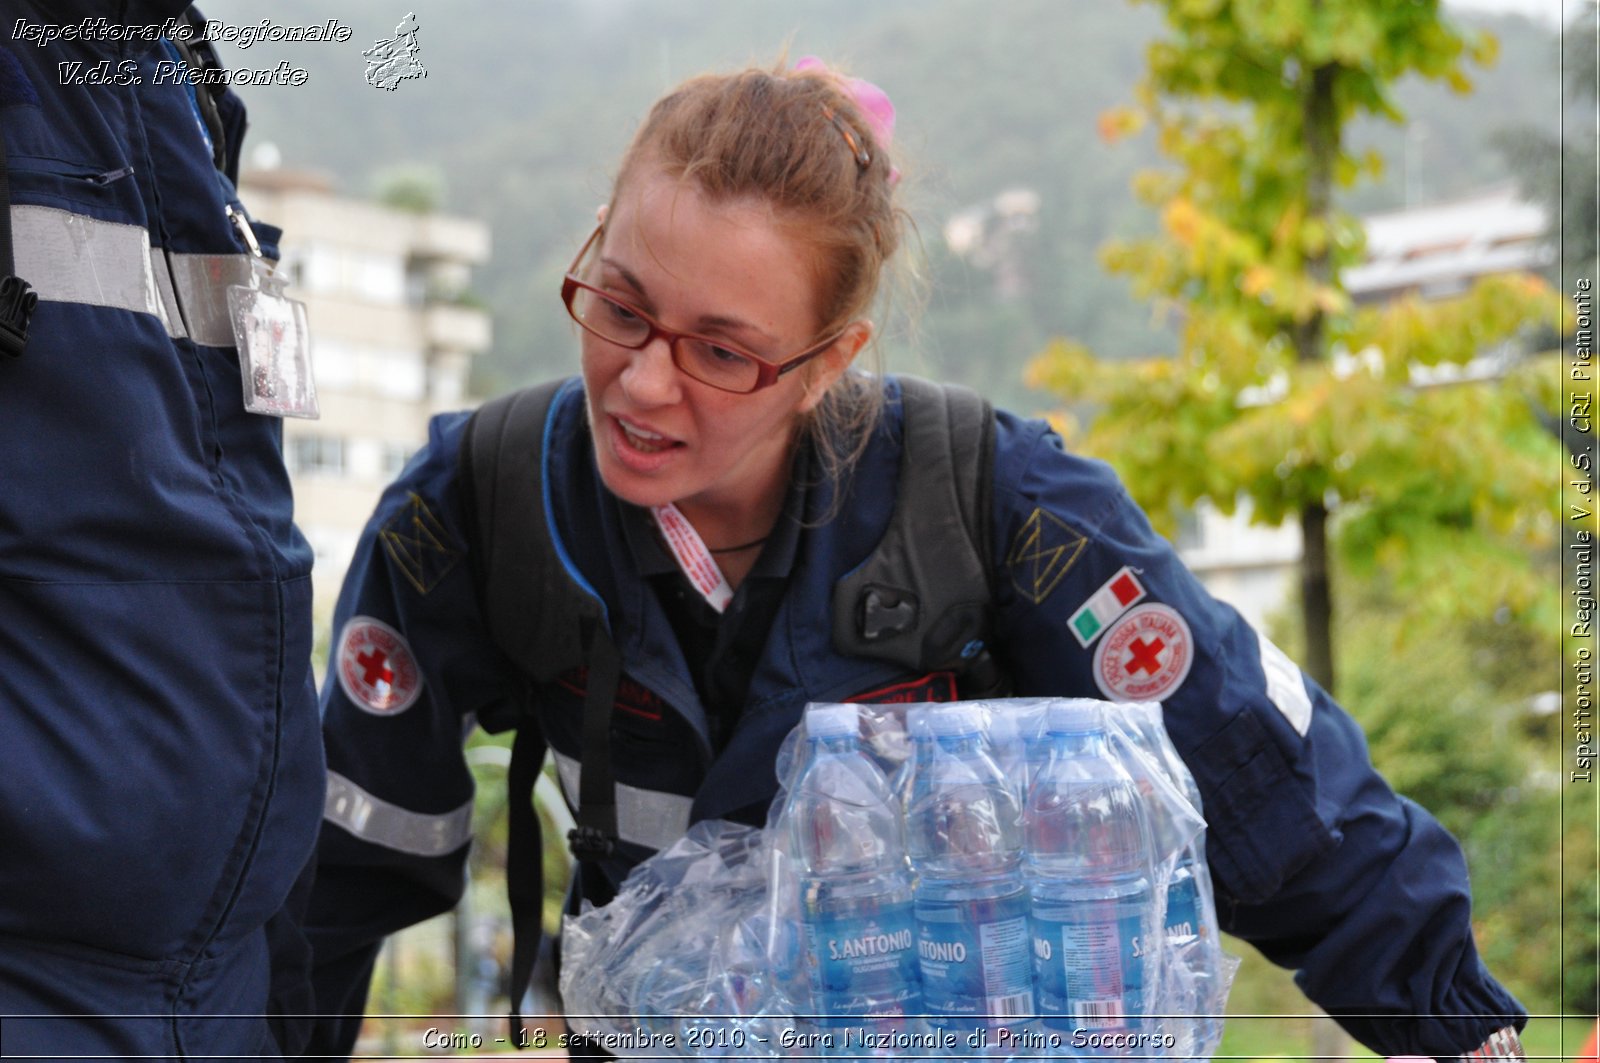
column 449, row 238
column 456, row 328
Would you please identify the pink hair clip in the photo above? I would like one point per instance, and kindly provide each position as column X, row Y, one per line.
column 873, row 103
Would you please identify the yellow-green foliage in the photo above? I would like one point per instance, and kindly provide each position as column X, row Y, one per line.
column 1250, row 252
column 1442, row 481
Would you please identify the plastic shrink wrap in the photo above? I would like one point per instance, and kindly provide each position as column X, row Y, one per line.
column 890, row 865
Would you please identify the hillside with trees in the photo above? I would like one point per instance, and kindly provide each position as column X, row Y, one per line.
column 526, row 107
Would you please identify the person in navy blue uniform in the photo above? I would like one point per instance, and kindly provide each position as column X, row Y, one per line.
column 161, row 777
column 713, row 473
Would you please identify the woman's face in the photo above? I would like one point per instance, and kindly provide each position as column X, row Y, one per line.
column 724, row 271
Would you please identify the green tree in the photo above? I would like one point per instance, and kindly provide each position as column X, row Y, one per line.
column 1286, row 393
column 411, row 188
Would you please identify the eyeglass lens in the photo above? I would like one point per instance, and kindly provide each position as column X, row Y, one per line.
column 718, row 366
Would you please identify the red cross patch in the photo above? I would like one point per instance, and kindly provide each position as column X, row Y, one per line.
column 376, row 668
column 1145, row 656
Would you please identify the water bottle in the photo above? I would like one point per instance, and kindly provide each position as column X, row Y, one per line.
column 1089, row 874
column 1191, row 923
column 855, row 884
column 918, row 737
column 1009, row 749
column 964, row 835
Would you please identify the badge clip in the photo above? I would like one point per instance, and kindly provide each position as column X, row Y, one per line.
column 274, row 340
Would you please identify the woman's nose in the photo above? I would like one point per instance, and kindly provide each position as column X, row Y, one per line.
column 651, row 378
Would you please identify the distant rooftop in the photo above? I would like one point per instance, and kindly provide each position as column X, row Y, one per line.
column 1438, row 249
column 284, row 179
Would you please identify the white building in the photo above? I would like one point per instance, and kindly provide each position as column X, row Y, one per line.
column 1252, row 567
column 392, row 339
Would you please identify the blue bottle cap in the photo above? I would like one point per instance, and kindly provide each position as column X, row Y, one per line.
column 831, row 721
column 1074, row 716
column 954, row 720
column 917, row 720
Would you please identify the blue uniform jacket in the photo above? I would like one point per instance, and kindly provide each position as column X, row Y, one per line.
column 160, row 766
column 1315, row 860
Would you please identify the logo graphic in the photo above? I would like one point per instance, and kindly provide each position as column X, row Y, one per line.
column 419, row 545
column 1042, row 552
column 1145, row 656
column 631, row 697
column 394, row 60
column 1105, row 605
column 376, row 668
column 935, row 686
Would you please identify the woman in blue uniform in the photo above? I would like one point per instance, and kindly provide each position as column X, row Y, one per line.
column 717, row 470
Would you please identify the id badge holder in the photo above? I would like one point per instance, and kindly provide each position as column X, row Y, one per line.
column 274, row 342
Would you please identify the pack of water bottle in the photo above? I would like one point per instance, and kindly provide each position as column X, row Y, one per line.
column 1017, row 878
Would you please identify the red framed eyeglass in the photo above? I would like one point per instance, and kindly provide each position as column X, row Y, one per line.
column 723, row 365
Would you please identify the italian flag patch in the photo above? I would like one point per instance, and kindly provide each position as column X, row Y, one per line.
column 1105, row 605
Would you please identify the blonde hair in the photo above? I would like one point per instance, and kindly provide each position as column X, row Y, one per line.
column 779, row 136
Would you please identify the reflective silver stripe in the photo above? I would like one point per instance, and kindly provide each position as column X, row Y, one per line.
column 375, row 820
column 171, row 311
column 645, row 817
column 1285, row 686
column 73, row 258
column 202, row 282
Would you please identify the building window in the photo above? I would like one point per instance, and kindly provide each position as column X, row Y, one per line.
column 350, row 272
column 1190, row 533
column 315, row 456
column 395, row 456
column 395, row 374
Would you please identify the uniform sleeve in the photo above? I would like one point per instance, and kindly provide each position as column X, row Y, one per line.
column 410, row 667
column 1316, row 861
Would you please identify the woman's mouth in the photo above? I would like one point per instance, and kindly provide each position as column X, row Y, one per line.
column 642, row 440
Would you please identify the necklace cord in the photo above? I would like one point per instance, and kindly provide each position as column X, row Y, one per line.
column 741, row 546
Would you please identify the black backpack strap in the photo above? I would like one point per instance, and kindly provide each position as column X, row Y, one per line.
column 922, row 600
column 17, row 297
column 536, row 613
column 549, row 626
column 200, row 55
column 595, row 836
column 524, row 872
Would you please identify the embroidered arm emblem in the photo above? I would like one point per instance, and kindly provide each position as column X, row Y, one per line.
column 419, row 545
column 1042, row 552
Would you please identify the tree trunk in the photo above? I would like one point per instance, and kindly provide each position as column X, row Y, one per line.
column 1316, row 595
column 1328, row 1042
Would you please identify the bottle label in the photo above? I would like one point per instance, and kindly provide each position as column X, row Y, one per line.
column 1183, row 910
column 1090, row 967
column 974, row 959
column 863, row 966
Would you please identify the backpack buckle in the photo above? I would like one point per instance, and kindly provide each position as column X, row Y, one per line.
column 590, row 843
column 887, row 612
column 17, row 300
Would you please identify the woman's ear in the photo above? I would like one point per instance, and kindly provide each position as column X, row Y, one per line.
column 831, row 364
